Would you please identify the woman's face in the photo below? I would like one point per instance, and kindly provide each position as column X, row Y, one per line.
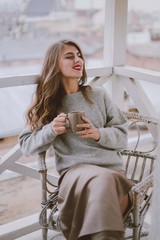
column 71, row 63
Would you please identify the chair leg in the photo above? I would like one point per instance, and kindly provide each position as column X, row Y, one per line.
column 44, row 233
column 136, row 233
column 44, row 229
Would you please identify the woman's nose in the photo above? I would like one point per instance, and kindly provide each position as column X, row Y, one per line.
column 76, row 59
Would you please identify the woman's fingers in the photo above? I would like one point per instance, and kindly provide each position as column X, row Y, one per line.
column 89, row 131
column 85, row 125
column 59, row 124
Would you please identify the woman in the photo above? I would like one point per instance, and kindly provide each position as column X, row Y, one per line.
column 93, row 195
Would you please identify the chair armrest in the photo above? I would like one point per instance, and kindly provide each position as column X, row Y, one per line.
column 42, row 162
column 141, row 200
column 144, row 184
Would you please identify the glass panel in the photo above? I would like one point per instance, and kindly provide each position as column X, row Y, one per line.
column 143, row 34
column 28, row 27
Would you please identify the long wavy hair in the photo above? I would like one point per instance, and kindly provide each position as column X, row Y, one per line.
column 50, row 92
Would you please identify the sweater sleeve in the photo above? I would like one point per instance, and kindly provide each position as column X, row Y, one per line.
column 114, row 134
column 32, row 143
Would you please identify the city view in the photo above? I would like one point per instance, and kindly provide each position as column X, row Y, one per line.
column 28, row 27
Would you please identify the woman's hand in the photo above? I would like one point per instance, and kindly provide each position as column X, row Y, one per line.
column 90, row 131
column 59, row 124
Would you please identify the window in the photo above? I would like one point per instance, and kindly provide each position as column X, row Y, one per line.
column 29, row 27
column 143, row 34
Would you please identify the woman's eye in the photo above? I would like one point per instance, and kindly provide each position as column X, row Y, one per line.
column 73, row 56
column 70, row 57
column 79, row 55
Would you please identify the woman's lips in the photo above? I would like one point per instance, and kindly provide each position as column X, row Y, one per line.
column 77, row 67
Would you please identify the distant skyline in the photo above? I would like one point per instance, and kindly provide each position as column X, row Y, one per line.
column 144, row 5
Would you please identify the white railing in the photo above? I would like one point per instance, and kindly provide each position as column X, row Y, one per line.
column 119, row 79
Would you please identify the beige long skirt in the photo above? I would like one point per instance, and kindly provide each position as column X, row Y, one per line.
column 89, row 200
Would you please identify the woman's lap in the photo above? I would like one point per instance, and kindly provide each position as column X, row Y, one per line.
column 89, row 200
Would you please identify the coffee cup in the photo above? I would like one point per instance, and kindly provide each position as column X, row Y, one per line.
column 75, row 118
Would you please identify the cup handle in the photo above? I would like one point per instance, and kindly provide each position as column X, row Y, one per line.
column 67, row 119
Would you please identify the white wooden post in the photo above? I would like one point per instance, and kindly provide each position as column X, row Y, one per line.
column 118, row 91
column 155, row 216
column 115, row 32
column 115, row 42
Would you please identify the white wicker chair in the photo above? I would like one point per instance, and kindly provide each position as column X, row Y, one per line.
column 139, row 166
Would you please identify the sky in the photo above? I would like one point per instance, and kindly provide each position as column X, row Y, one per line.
column 144, row 5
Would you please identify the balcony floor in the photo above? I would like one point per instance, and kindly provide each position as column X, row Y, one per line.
column 38, row 236
column 51, row 236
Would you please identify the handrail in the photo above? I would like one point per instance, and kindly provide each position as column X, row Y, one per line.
column 22, row 80
column 138, row 73
column 125, row 71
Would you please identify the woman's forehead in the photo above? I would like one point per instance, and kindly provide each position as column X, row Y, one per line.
column 69, row 48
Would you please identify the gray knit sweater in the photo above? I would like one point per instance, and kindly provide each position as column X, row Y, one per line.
column 69, row 148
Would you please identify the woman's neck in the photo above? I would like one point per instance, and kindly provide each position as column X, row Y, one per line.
column 71, row 86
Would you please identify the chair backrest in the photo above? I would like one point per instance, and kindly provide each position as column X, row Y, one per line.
column 140, row 163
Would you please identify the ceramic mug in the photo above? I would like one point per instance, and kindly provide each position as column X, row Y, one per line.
column 75, row 118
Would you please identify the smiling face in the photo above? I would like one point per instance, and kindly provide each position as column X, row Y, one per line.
column 70, row 63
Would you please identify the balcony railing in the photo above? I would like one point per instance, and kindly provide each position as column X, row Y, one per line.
column 119, row 79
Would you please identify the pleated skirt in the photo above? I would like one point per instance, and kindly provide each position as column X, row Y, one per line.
column 89, row 200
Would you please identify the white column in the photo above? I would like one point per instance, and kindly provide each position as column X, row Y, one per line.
column 115, row 43
column 115, row 32
column 155, row 215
